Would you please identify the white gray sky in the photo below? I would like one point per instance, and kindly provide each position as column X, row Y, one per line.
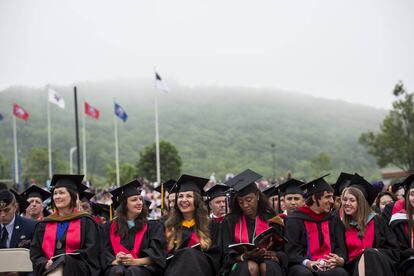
column 353, row 50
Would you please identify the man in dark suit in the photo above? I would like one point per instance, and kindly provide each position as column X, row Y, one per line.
column 15, row 231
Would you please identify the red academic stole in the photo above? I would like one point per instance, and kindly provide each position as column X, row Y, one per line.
column 354, row 244
column 193, row 240
column 241, row 233
column 73, row 235
column 118, row 247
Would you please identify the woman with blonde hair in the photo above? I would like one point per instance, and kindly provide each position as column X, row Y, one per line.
column 371, row 245
column 192, row 238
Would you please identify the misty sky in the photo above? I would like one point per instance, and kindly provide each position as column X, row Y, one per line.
column 351, row 50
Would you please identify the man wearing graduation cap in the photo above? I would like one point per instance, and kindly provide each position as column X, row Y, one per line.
column 293, row 193
column 167, row 196
column 217, row 201
column 35, row 196
column 15, row 231
column 316, row 239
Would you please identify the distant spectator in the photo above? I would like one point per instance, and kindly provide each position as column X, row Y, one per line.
column 383, row 199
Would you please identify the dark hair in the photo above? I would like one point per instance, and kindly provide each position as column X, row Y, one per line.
column 174, row 229
column 263, row 208
column 73, row 198
column 381, row 194
column 122, row 218
column 410, row 212
column 309, row 201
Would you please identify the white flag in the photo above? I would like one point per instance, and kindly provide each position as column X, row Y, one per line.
column 55, row 98
column 160, row 84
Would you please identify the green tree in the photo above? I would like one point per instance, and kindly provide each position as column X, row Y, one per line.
column 394, row 143
column 321, row 164
column 127, row 172
column 170, row 162
column 5, row 172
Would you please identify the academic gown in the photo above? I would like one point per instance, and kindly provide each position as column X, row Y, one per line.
column 230, row 267
column 187, row 261
column 87, row 263
column 152, row 246
column 298, row 245
column 379, row 245
column 399, row 225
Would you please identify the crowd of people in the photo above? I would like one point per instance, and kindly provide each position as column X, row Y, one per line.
column 191, row 227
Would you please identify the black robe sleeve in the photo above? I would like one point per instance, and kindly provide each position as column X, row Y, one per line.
column 296, row 235
column 385, row 240
column 156, row 244
column 39, row 260
column 337, row 233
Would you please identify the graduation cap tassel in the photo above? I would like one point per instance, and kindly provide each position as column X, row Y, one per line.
column 162, row 196
column 110, row 212
column 279, row 205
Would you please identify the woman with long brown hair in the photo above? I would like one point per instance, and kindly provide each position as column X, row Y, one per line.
column 192, row 238
column 250, row 216
column 133, row 246
column 402, row 223
column 372, row 247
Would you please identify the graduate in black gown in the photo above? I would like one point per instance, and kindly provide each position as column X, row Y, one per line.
column 67, row 232
column 403, row 228
column 133, row 246
column 316, row 243
column 251, row 215
column 188, row 226
column 371, row 245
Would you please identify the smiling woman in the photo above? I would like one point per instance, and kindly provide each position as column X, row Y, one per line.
column 66, row 241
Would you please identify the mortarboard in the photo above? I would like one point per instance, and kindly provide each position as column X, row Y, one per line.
column 369, row 191
column 342, row 182
column 188, row 183
column 35, row 191
column 408, row 182
column 130, row 189
column 101, row 210
column 23, row 203
column 244, row 183
column 271, row 190
column 317, row 185
column 167, row 186
column 86, row 195
column 6, row 197
column 69, row 181
column 217, row 191
column 292, row 186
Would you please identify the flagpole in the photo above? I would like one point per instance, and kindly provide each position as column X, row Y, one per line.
column 116, row 150
column 49, row 138
column 157, row 142
column 84, row 140
column 16, row 162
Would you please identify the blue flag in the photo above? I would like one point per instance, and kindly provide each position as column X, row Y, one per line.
column 120, row 112
column 1, row 117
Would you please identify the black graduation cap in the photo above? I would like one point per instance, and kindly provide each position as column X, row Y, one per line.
column 271, row 190
column 317, row 185
column 369, row 191
column 167, row 186
column 408, row 183
column 342, row 182
column 130, row 189
column 35, row 191
column 86, row 195
column 101, row 210
column 217, row 191
column 6, row 197
column 23, row 203
column 292, row 186
column 69, row 181
column 244, row 183
column 191, row 183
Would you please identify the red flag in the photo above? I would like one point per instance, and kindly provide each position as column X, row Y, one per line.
column 19, row 112
column 91, row 111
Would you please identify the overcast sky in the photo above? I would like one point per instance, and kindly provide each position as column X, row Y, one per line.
column 353, row 50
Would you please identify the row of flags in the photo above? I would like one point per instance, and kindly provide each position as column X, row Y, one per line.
column 90, row 110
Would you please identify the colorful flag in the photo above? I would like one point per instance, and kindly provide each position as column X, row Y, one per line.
column 91, row 111
column 19, row 112
column 120, row 112
column 160, row 84
column 55, row 98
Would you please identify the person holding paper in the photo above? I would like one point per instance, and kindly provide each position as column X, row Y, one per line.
column 192, row 238
column 66, row 242
column 251, row 215
column 133, row 246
